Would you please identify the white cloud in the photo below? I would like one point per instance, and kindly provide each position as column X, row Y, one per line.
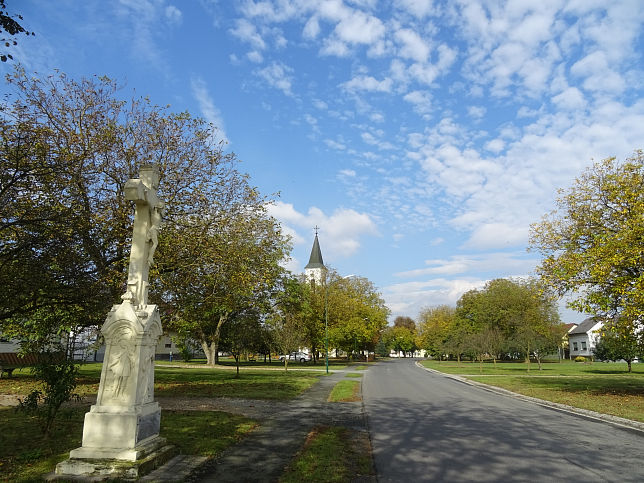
column 340, row 232
column 173, row 14
column 496, row 235
column 279, row 76
column 412, row 45
column 421, row 101
column 418, row 8
column 409, row 298
column 368, row 83
column 255, row 56
column 208, row 108
column 247, row 32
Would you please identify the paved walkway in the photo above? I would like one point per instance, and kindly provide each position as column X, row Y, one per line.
column 264, row 453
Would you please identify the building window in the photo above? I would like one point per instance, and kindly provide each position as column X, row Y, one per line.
column 574, row 346
column 168, row 345
column 583, row 346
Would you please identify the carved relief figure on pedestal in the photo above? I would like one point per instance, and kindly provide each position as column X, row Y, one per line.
column 121, row 364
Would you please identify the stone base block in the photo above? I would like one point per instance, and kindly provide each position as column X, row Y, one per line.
column 153, row 454
column 115, row 432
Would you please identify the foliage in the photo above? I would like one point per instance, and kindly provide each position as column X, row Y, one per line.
column 286, row 322
column 241, row 335
column 400, row 339
column 215, row 266
column 613, row 346
column 58, row 374
column 434, row 327
column 65, row 226
column 11, row 26
column 356, row 313
column 515, row 316
column 593, row 243
column 580, row 359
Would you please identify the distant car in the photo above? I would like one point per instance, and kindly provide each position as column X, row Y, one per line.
column 297, row 356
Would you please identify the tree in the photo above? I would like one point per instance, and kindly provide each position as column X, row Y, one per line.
column 241, row 335
column 612, row 346
column 356, row 313
column 593, row 243
column 520, row 310
column 215, row 266
column 286, row 321
column 400, row 339
column 407, row 322
column 433, row 329
column 11, row 26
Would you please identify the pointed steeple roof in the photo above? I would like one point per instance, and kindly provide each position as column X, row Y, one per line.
column 315, row 260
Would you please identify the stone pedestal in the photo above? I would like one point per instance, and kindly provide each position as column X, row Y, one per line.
column 121, row 431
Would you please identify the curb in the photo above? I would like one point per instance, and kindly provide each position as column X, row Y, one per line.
column 607, row 418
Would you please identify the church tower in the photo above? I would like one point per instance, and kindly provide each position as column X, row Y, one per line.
column 315, row 270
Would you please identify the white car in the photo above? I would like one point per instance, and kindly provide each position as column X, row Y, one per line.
column 297, row 356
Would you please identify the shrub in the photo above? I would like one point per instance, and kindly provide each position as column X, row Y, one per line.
column 580, row 359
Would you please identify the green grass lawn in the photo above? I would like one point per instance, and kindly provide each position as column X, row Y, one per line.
column 345, row 391
column 190, row 382
column 603, row 387
column 353, row 374
column 331, row 454
column 25, row 454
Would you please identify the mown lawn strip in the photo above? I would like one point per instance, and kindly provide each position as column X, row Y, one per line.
column 331, row 454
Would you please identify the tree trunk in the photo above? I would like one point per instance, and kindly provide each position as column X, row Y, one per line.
column 629, row 366
column 209, row 350
column 212, row 358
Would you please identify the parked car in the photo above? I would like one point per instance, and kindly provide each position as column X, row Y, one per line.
column 297, row 356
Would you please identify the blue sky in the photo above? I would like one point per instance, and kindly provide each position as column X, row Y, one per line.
column 423, row 137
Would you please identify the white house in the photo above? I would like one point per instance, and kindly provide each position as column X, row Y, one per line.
column 583, row 338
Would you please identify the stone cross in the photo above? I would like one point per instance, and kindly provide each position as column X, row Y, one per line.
column 123, row 425
column 147, row 221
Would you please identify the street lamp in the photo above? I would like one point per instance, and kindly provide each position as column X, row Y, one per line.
column 326, row 317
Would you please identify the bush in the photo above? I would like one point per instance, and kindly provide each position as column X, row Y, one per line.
column 580, row 359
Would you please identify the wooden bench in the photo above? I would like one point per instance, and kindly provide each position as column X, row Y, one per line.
column 9, row 361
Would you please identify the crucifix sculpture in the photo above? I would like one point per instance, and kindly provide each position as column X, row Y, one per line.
column 147, row 221
column 123, row 425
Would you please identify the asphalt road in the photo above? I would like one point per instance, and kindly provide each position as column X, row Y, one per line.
column 426, row 427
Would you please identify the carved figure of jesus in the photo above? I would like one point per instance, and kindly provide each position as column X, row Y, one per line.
column 153, row 232
column 147, row 221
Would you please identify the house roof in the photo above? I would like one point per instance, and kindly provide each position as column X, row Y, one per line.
column 585, row 326
column 569, row 327
column 315, row 260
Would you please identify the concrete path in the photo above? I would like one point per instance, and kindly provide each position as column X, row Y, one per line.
column 263, row 455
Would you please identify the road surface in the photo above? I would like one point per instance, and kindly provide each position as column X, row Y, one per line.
column 426, row 427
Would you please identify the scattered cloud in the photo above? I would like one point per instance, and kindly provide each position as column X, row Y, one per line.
column 340, row 232
column 278, row 75
column 208, row 108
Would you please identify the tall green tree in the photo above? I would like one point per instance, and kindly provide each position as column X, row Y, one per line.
column 357, row 313
column 215, row 266
column 593, row 243
column 612, row 346
column 434, row 324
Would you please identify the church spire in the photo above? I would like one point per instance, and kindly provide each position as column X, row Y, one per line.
column 315, row 269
